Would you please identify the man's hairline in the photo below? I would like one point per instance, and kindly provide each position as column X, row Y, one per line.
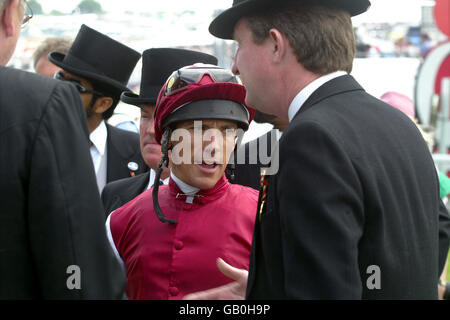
column 244, row 19
column 49, row 47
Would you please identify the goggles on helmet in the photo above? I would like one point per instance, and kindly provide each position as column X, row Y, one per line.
column 180, row 79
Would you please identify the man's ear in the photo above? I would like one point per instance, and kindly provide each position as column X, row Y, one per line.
column 279, row 44
column 102, row 104
column 8, row 18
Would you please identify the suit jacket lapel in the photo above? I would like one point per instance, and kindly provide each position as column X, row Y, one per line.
column 139, row 185
column 260, row 210
column 118, row 197
column 335, row 86
column 119, row 151
column 255, row 244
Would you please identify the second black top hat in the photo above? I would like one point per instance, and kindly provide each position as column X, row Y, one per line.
column 157, row 65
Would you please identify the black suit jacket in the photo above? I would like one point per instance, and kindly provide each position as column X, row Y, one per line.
column 51, row 214
column 122, row 148
column 249, row 173
column 356, row 190
column 119, row 192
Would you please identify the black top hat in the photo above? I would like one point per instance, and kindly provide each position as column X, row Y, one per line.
column 223, row 25
column 97, row 57
column 157, row 65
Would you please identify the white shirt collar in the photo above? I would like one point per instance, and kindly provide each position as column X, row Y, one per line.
column 98, row 137
column 187, row 189
column 151, row 180
column 307, row 91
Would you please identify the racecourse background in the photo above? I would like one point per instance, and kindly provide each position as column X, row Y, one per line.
column 376, row 75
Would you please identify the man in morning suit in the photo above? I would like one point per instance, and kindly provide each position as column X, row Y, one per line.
column 157, row 65
column 51, row 222
column 354, row 210
column 100, row 67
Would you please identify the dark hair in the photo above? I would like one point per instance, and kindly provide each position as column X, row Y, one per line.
column 322, row 37
column 107, row 91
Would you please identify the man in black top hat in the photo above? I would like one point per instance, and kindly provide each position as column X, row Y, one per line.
column 354, row 210
column 100, row 68
column 53, row 243
column 157, row 65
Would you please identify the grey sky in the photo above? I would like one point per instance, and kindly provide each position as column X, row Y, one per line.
column 381, row 10
column 137, row 5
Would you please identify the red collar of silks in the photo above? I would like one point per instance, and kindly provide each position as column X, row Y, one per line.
column 202, row 196
column 195, row 92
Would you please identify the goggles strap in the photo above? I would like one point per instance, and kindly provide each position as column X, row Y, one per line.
column 164, row 161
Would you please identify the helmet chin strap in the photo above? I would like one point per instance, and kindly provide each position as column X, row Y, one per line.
column 164, row 161
column 229, row 170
